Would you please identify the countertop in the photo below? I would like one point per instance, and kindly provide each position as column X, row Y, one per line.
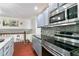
column 38, row 36
column 7, row 38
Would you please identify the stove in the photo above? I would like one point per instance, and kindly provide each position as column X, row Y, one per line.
column 58, row 47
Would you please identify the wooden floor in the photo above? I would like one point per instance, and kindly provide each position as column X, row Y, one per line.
column 23, row 49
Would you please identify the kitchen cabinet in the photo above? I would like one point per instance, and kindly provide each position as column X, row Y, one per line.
column 37, row 45
column 53, row 6
column 1, row 52
column 60, row 4
column 7, row 48
column 42, row 19
column 46, row 17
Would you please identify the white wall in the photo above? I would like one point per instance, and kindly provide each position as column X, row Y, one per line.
column 27, row 24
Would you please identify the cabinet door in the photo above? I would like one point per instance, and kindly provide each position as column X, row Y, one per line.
column 9, row 48
column 46, row 16
column 40, row 20
column 37, row 46
column 1, row 52
column 10, row 52
column 53, row 6
column 6, row 48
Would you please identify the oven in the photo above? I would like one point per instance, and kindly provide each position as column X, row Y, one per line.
column 58, row 47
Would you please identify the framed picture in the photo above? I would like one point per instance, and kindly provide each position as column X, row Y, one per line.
column 10, row 23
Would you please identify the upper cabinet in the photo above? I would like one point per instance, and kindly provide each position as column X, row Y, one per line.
column 57, row 13
column 60, row 4
column 42, row 19
column 53, row 6
column 46, row 16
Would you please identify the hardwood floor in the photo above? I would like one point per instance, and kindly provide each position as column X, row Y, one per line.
column 23, row 49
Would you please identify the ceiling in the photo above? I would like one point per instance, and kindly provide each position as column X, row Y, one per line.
column 21, row 10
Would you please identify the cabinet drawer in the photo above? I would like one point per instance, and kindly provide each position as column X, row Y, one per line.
column 8, row 44
column 6, row 47
column 37, row 46
column 38, row 49
column 1, row 52
column 9, row 51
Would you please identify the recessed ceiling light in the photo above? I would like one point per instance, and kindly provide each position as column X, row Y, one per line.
column 1, row 11
column 36, row 8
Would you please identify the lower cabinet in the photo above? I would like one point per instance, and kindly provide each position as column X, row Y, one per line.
column 8, row 49
column 37, row 45
column 1, row 52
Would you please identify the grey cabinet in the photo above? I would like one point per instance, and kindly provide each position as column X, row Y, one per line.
column 8, row 48
column 42, row 19
column 1, row 52
column 37, row 45
column 46, row 17
column 53, row 6
column 60, row 4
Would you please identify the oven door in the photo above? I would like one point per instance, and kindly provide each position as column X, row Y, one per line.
column 55, row 50
column 56, row 47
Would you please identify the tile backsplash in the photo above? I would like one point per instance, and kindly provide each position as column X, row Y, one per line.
column 50, row 31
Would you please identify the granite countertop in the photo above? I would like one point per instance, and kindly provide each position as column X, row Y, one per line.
column 7, row 38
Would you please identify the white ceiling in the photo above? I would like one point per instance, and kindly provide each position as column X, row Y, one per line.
column 21, row 10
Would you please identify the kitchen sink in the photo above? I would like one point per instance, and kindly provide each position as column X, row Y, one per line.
column 1, row 40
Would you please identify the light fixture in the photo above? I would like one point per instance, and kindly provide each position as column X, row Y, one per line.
column 36, row 8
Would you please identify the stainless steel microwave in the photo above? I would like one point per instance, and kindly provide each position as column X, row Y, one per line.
column 69, row 13
column 58, row 17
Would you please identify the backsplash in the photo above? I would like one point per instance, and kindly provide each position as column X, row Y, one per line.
column 49, row 31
